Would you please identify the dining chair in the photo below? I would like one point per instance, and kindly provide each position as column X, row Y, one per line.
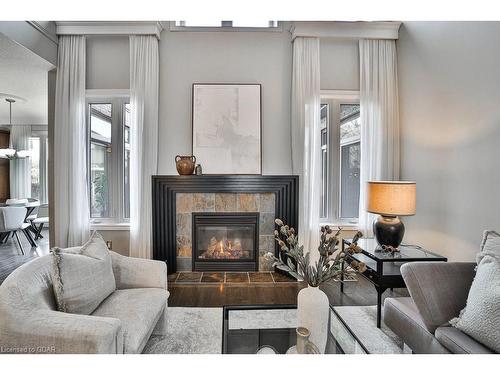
column 12, row 221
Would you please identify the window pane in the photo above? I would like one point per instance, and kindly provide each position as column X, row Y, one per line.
column 350, row 156
column 34, row 147
column 126, row 160
column 324, row 161
column 100, row 159
column 349, row 122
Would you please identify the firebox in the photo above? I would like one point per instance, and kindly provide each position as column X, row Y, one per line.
column 227, row 241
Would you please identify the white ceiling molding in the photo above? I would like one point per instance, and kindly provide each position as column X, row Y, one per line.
column 109, row 28
column 44, row 31
column 346, row 30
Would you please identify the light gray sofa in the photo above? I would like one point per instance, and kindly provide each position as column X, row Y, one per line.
column 122, row 323
column 438, row 293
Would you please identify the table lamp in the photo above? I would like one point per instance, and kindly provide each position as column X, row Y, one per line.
column 390, row 199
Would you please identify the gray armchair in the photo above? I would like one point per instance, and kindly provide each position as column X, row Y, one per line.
column 122, row 323
column 438, row 293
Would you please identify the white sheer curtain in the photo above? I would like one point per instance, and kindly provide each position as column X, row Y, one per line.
column 20, row 169
column 71, row 206
column 144, row 84
column 306, row 136
column 43, row 172
column 379, row 119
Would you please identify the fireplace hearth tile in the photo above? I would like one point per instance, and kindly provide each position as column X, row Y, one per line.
column 260, row 277
column 184, row 264
column 172, row 277
column 203, row 202
column 212, row 277
column 184, row 248
column 248, row 202
column 189, row 277
column 265, row 264
column 266, row 244
column 267, row 202
column 266, row 222
column 237, row 277
column 225, row 202
column 183, row 223
column 184, row 202
column 280, row 278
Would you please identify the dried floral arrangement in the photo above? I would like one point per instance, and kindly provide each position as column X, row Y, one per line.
column 329, row 264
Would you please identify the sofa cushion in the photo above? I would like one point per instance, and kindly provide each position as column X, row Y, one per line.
column 402, row 317
column 138, row 310
column 480, row 318
column 83, row 277
column 458, row 342
column 439, row 289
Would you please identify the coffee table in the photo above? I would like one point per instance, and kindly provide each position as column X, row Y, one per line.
column 383, row 269
column 246, row 329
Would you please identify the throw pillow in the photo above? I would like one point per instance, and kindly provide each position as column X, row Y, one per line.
column 83, row 279
column 489, row 244
column 480, row 318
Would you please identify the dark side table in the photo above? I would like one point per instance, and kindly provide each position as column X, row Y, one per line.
column 383, row 269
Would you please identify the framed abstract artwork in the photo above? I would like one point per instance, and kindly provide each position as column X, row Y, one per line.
column 227, row 128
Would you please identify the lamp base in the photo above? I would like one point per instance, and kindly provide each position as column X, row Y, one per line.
column 388, row 230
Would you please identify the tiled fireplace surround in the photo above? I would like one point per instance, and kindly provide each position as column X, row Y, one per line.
column 187, row 203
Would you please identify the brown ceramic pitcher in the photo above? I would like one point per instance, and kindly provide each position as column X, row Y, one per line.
column 185, row 164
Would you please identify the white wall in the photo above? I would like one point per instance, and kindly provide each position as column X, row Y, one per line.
column 108, row 62
column 241, row 57
column 339, row 64
column 233, row 57
column 449, row 76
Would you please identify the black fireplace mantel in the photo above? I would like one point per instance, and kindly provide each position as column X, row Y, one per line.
column 165, row 188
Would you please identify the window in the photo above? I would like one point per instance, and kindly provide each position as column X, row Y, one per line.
column 340, row 159
column 34, row 147
column 38, row 146
column 109, row 146
column 126, row 160
column 193, row 24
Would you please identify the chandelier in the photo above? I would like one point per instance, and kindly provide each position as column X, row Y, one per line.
column 10, row 153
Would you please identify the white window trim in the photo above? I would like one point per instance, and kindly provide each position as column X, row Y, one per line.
column 117, row 98
column 41, row 132
column 334, row 99
column 110, row 226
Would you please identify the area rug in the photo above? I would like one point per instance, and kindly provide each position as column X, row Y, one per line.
column 190, row 330
column 193, row 330
column 362, row 320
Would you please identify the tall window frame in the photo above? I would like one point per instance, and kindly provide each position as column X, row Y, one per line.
column 39, row 135
column 117, row 206
column 330, row 205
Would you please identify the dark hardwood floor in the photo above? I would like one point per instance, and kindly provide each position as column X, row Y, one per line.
column 356, row 293
column 10, row 254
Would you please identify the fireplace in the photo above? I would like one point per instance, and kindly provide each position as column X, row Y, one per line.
column 225, row 241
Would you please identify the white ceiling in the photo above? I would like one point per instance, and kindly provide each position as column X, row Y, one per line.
column 23, row 74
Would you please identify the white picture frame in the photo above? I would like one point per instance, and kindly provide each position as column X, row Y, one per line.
column 227, row 128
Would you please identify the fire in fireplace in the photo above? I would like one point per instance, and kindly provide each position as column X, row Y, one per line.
column 225, row 241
